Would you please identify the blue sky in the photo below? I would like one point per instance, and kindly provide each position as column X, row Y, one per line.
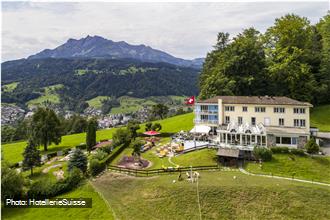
column 186, row 30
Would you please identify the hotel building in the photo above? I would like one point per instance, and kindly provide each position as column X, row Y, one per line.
column 246, row 121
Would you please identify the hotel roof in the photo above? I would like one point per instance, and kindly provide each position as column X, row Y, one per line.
column 261, row 100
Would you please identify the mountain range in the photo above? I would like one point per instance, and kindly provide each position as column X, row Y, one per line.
column 99, row 47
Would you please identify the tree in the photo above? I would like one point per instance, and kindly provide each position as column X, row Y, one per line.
column 31, row 156
column 91, row 134
column 132, row 127
column 160, row 110
column 148, row 126
column 121, row 136
column 136, row 145
column 79, row 160
column 235, row 68
column 11, row 182
column 323, row 76
column 45, row 128
column 156, row 127
column 289, row 55
column 312, row 147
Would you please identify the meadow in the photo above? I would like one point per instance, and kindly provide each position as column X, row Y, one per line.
column 320, row 117
column 99, row 210
column 222, row 195
column 303, row 167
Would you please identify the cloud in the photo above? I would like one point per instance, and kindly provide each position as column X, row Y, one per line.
column 186, row 30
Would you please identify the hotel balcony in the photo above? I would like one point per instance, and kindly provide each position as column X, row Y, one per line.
column 207, row 112
column 198, row 121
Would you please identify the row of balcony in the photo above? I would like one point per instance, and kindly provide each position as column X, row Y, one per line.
column 200, row 121
column 214, row 112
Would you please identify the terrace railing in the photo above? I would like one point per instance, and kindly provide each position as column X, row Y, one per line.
column 199, row 121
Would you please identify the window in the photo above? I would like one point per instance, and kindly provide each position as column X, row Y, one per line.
column 299, row 122
column 227, row 120
column 294, row 140
column 260, row 109
column 204, row 107
column 240, row 120
column 204, row 117
column 299, row 110
column 279, row 110
column 281, row 121
column 229, row 108
column 278, row 140
column 253, row 121
column 244, row 108
column 286, row 140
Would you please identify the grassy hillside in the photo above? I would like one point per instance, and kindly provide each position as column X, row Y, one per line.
column 10, row 87
column 49, row 95
column 13, row 152
column 310, row 168
column 97, row 101
column 320, row 117
column 99, row 208
column 221, row 196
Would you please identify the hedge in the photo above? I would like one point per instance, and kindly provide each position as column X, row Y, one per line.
column 280, row 150
column 97, row 166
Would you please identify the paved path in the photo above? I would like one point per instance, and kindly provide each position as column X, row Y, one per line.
column 283, row 178
column 170, row 160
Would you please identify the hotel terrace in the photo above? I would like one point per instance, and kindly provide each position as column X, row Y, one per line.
column 243, row 122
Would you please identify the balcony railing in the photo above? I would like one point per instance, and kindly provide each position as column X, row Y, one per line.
column 215, row 112
column 198, row 121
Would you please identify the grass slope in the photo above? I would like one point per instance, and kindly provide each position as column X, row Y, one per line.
column 320, row 117
column 98, row 211
column 309, row 168
column 97, row 101
column 221, row 197
column 130, row 104
column 13, row 152
column 49, row 95
column 10, row 87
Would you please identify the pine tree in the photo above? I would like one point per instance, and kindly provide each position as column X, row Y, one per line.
column 31, row 156
column 91, row 134
column 78, row 159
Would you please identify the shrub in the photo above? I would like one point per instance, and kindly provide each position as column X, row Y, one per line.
column 45, row 188
column 280, row 150
column 107, row 148
column 78, row 159
column 11, row 183
column 42, row 189
column 262, row 153
column 100, row 154
column 81, row 146
column 95, row 166
column 299, row 152
column 121, row 136
column 312, row 147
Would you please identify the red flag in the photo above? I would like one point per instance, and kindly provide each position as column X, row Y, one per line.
column 191, row 100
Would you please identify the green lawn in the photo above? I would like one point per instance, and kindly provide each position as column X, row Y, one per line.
column 50, row 95
column 97, row 101
column 309, row 168
column 320, row 117
column 10, row 87
column 98, row 211
column 202, row 157
column 13, row 152
column 221, row 197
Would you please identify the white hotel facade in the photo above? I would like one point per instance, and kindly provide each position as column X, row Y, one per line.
column 245, row 121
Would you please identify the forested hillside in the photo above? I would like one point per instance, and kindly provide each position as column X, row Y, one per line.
column 292, row 58
column 75, row 81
